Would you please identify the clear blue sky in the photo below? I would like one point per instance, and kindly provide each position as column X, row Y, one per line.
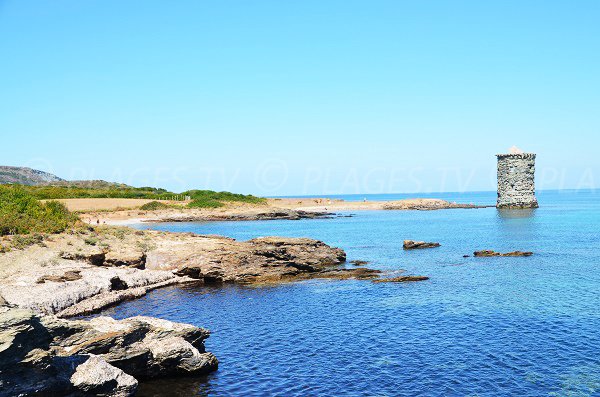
column 301, row 97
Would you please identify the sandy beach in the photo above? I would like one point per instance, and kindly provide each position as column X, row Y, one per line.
column 127, row 211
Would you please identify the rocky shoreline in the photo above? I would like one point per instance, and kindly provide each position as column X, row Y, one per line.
column 44, row 355
column 86, row 270
column 44, row 281
column 266, row 215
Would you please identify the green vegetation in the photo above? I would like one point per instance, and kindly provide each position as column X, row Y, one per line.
column 154, row 205
column 101, row 189
column 21, row 213
column 24, row 241
column 90, row 240
column 211, row 199
column 204, row 203
column 97, row 190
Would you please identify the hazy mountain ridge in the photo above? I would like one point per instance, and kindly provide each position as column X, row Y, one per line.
column 26, row 176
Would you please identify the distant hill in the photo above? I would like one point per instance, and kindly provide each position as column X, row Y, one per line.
column 26, row 176
column 88, row 184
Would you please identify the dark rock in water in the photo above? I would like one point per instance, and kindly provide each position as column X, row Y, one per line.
column 362, row 273
column 401, row 279
column 410, row 244
column 488, row 253
column 50, row 356
column 359, row 262
column 466, row 256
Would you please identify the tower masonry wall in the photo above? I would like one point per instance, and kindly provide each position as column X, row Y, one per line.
column 516, row 181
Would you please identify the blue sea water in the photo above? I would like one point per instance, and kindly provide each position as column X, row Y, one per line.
column 479, row 327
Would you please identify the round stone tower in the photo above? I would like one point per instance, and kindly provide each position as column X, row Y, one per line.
column 516, row 180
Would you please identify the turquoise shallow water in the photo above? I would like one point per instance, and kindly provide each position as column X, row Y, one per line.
column 478, row 327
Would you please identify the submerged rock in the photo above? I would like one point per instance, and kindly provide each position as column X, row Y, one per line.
column 361, row 273
column 359, row 262
column 488, row 253
column 401, row 279
column 410, row 244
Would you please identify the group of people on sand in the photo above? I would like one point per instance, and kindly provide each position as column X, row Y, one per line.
column 90, row 221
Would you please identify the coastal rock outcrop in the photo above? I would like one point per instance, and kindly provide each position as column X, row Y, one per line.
column 425, row 205
column 226, row 260
column 87, row 270
column 260, row 214
column 488, row 253
column 51, row 356
column 410, row 244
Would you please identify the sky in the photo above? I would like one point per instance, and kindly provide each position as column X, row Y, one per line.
column 301, row 97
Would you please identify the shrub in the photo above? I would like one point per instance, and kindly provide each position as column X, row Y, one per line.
column 21, row 242
column 21, row 213
column 211, row 199
column 91, row 240
column 154, row 205
column 204, row 203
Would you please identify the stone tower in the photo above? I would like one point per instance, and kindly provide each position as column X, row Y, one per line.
column 516, row 180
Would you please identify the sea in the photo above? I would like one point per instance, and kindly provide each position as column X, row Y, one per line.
column 502, row 326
